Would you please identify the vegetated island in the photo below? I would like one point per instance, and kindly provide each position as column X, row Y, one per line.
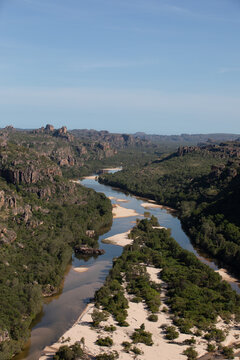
column 157, row 299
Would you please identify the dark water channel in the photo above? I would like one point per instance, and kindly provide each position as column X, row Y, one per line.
column 61, row 311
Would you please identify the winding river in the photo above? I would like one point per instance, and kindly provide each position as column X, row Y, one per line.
column 61, row 311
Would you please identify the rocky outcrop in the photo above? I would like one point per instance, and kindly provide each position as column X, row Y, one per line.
column 28, row 172
column 7, row 236
column 49, row 128
column 7, row 201
column 90, row 233
column 85, row 250
column 49, row 290
column 222, row 150
column 4, row 336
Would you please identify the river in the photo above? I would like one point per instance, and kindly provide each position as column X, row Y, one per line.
column 61, row 311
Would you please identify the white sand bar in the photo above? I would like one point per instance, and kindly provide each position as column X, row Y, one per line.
column 113, row 169
column 118, row 200
column 91, row 177
column 225, row 276
column 150, row 205
column 119, row 239
column 75, row 181
column 80, row 269
column 159, row 227
column 120, row 212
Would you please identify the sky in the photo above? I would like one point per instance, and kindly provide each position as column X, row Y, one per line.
column 158, row 66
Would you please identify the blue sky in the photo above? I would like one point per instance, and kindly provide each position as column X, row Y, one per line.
column 159, row 66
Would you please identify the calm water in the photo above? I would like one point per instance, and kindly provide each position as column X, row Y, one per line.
column 61, row 311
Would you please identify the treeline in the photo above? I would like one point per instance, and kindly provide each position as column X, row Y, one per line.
column 204, row 188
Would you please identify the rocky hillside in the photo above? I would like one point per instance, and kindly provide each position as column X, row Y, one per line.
column 118, row 141
column 43, row 218
column 77, row 151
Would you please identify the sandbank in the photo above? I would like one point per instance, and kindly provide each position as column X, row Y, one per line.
column 120, row 212
column 225, row 276
column 119, row 239
column 152, row 205
column 90, row 177
column 118, row 200
column 159, row 227
column 80, row 269
column 113, row 169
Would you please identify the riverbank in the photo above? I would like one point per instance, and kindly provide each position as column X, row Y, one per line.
column 154, row 205
column 137, row 315
column 226, row 276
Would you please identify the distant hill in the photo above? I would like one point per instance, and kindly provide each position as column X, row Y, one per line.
column 187, row 139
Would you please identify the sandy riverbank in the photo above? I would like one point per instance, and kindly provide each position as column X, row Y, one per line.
column 90, row 177
column 159, row 227
column 118, row 200
column 152, row 205
column 113, row 169
column 225, row 276
column 119, row 239
column 137, row 314
column 80, row 269
column 120, row 212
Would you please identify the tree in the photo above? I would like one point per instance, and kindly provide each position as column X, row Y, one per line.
column 98, row 316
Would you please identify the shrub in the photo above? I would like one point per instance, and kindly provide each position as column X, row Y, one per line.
column 171, row 333
column 98, row 316
column 228, row 352
column 153, row 318
column 215, row 334
column 110, row 356
column 107, row 341
column 69, row 352
column 127, row 346
column 142, row 336
column 110, row 328
column 191, row 341
column 211, row 347
column 191, row 353
column 136, row 351
column 198, row 333
column 136, row 299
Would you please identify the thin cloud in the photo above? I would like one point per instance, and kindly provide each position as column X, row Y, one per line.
column 226, row 70
column 88, row 66
column 156, row 7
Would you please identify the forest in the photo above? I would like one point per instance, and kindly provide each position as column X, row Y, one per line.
column 202, row 184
